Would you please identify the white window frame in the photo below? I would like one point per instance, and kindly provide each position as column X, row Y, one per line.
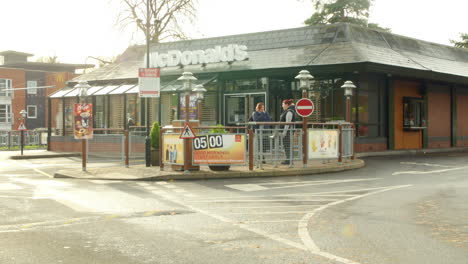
column 35, row 111
column 8, row 114
column 30, row 85
column 8, row 85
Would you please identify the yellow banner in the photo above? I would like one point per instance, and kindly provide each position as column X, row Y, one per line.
column 220, row 149
column 173, row 150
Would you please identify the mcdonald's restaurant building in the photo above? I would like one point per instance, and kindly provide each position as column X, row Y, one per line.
column 411, row 94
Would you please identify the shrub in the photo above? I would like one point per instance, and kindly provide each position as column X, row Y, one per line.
column 154, row 135
column 217, row 130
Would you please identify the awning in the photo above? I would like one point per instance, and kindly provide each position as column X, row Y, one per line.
column 106, row 90
column 60, row 93
column 122, row 89
column 73, row 93
column 94, row 89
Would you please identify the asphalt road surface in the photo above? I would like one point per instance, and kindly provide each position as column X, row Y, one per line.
column 411, row 209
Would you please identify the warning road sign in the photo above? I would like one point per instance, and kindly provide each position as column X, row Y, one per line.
column 187, row 132
column 22, row 126
column 304, row 107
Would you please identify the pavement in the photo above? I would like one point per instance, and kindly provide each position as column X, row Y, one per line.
column 143, row 173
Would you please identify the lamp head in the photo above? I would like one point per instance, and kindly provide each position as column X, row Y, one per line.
column 199, row 90
column 187, row 78
column 83, row 86
column 348, row 87
column 304, row 78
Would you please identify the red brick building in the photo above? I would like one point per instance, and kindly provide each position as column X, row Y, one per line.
column 25, row 85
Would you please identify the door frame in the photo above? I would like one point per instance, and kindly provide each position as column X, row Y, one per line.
column 244, row 95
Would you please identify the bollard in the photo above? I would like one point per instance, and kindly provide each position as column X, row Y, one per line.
column 340, row 144
column 251, row 148
column 161, row 155
column 126, row 149
column 304, row 142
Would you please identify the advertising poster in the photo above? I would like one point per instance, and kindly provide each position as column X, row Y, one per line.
column 173, row 149
column 323, row 144
column 192, row 107
column 219, row 149
column 83, row 128
column 149, row 82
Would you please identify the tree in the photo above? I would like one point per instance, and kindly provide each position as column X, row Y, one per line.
column 48, row 59
column 165, row 17
column 342, row 11
column 463, row 43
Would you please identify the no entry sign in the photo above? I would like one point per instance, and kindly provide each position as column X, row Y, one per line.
column 304, row 107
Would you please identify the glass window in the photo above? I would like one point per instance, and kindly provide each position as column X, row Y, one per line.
column 4, row 85
column 100, row 118
column 30, row 86
column 133, row 104
column 241, row 85
column 32, row 111
column 5, row 113
column 413, row 113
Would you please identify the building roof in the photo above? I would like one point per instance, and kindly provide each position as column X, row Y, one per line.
column 12, row 52
column 323, row 45
column 43, row 66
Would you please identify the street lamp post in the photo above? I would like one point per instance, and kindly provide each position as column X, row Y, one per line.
column 83, row 94
column 348, row 87
column 187, row 78
column 304, row 78
column 23, row 115
column 199, row 91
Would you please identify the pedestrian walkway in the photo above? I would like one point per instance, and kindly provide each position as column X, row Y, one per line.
column 140, row 172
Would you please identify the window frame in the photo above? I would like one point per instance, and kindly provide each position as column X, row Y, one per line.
column 8, row 114
column 29, row 86
column 35, row 111
column 10, row 82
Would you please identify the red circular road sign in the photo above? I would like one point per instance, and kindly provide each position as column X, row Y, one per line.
column 304, row 107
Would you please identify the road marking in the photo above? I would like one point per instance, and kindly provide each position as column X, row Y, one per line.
column 426, row 164
column 144, row 184
column 246, row 187
column 104, row 181
column 9, row 186
column 268, row 213
column 263, row 186
column 279, row 195
column 305, row 235
column 161, row 182
column 428, row 172
column 31, row 166
column 266, row 207
column 268, row 221
column 250, row 201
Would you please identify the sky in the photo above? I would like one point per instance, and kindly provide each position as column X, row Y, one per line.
column 73, row 30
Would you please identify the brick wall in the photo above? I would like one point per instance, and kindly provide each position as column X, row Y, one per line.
column 18, row 103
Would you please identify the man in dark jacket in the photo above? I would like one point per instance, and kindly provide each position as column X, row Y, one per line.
column 288, row 115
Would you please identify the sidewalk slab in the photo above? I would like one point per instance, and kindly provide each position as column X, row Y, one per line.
column 142, row 173
column 42, row 154
column 407, row 152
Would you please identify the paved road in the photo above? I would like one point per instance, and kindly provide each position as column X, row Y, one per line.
column 396, row 210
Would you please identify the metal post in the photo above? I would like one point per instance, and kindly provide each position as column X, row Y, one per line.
column 354, row 144
column 186, row 140
column 83, row 154
column 304, row 135
column 22, row 141
column 161, row 154
column 251, row 148
column 340, row 143
column 348, row 109
column 127, row 151
column 147, row 139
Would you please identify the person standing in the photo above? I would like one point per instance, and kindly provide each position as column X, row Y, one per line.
column 260, row 115
column 288, row 115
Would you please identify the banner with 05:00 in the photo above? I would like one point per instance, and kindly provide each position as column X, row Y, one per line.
column 222, row 149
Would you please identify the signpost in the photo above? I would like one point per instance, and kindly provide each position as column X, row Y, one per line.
column 304, row 107
column 187, row 133
column 149, row 82
column 22, row 128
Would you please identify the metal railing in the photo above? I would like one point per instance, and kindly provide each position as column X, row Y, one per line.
column 11, row 139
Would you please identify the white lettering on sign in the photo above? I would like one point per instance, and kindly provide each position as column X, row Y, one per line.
column 232, row 52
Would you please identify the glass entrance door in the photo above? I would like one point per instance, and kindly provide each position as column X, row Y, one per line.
column 239, row 107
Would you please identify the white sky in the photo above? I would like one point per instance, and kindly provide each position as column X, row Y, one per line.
column 75, row 29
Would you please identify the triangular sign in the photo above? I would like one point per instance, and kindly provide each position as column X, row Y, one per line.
column 187, row 133
column 22, row 126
